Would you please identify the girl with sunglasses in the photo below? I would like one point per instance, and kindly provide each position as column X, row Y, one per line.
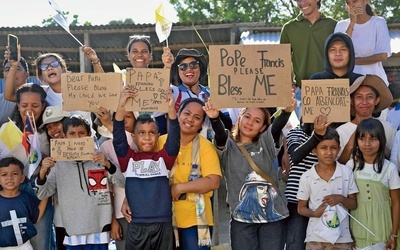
column 187, row 73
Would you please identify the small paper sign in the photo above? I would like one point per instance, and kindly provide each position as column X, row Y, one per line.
column 77, row 149
column 330, row 97
column 152, row 86
column 250, row 76
column 88, row 91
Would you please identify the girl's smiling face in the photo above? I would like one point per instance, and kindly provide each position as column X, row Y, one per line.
column 139, row 55
column 30, row 102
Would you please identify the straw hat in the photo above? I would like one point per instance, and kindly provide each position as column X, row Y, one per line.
column 53, row 114
column 379, row 85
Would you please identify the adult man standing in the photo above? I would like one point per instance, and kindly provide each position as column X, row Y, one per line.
column 17, row 74
column 307, row 34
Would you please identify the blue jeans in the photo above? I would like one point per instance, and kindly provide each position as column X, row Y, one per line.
column 296, row 229
column 258, row 236
column 188, row 239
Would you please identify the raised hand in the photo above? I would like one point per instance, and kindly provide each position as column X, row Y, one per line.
column 210, row 110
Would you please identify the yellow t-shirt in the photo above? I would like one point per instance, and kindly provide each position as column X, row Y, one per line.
column 185, row 211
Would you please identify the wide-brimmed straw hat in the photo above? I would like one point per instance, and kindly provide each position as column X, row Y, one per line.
column 184, row 53
column 379, row 85
column 53, row 114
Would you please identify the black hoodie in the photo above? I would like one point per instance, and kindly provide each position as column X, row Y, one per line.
column 328, row 73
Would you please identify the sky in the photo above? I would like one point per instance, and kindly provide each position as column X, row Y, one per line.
column 21, row 13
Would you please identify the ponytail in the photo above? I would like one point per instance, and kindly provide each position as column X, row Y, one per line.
column 369, row 10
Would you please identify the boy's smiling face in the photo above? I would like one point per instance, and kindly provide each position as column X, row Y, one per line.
column 11, row 177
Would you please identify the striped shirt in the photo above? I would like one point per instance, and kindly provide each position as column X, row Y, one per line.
column 94, row 238
column 295, row 138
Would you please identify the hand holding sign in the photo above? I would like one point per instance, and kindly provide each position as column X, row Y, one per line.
column 321, row 124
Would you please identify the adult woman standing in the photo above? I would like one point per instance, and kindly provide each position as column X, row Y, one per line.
column 370, row 36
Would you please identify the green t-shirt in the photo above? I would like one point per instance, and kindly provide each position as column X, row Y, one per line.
column 307, row 43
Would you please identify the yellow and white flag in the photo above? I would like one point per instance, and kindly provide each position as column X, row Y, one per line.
column 163, row 24
column 10, row 137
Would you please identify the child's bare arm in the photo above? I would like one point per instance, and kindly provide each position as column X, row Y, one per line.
column 42, row 208
column 305, row 211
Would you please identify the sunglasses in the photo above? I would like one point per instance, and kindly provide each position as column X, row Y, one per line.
column 53, row 64
column 191, row 65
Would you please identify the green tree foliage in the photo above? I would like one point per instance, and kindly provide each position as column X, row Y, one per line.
column 273, row 12
column 126, row 21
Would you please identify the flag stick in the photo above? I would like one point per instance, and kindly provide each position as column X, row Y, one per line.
column 167, row 41
column 343, row 210
column 75, row 38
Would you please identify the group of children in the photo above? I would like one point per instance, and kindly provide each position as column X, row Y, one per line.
column 155, row 174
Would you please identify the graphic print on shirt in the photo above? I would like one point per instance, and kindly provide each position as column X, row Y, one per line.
column 259, row 202
column 97, row 185
column 146, row 168
column 18, row 225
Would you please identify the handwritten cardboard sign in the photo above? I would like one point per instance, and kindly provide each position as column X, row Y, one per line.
column 77, row 149
column 250, row 75
column 330, row 97
column 152, row 85
column 88, row 91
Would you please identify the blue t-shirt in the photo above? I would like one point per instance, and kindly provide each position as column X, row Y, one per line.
column 17, row 215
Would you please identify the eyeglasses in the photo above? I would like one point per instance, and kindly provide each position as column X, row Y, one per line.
column 191, row 65
column 53, row 64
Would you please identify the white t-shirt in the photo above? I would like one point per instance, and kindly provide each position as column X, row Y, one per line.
column 313, row 188
column 395, row 153
column 368, row 39
column 346, row 130
column 390, row 180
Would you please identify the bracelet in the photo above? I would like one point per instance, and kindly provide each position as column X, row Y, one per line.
column 11, row 67
column 393, row 237
column 352, row 28
column 98, row 62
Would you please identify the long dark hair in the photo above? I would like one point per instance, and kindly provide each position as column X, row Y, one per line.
column 28, row 88
column 236, row 131
column 375, row 129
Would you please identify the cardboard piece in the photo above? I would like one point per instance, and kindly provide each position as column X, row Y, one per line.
column 77, row 149
column 330, row 97
column 250, row 76
column 88, row 91
column 152, row 85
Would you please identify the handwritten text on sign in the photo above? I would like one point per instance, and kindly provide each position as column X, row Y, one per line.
column 250, row 76
column 330, row 97
column 152, row 85
column 86, row 91
column 78, row 149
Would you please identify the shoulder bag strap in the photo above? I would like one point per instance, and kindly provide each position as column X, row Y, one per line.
column 254, row 166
